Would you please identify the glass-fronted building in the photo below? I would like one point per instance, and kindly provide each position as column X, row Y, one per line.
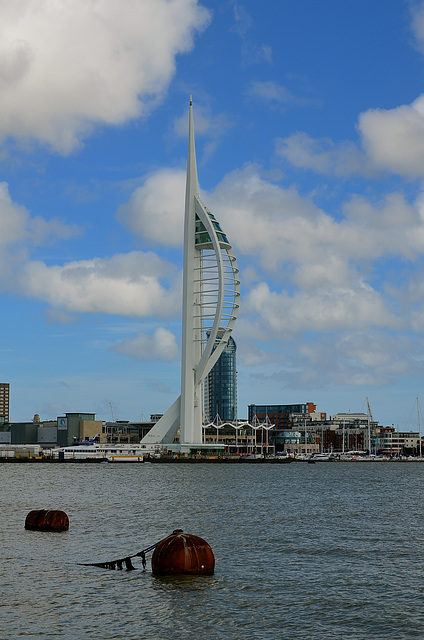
column 279, row 414
column 220, row 387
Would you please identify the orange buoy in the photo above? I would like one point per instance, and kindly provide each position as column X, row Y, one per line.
column 44, row 520
column 183, row 553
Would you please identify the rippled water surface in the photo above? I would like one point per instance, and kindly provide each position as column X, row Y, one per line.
column 324, row 551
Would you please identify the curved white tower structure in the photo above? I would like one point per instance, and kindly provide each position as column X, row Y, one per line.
column 211, row 292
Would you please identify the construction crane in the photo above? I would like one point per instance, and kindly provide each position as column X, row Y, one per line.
column 371, row 425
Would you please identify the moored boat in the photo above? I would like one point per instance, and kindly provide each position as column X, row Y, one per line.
column 106, row 452
column 322, row 457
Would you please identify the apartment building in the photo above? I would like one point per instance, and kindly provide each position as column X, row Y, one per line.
column 4, row 401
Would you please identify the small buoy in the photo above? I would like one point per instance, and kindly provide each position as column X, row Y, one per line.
column 44, row 520
column 183, row 553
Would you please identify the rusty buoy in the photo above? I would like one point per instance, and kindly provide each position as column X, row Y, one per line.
column 183, row 553
column 44, row 520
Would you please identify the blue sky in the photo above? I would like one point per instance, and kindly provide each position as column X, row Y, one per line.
column 309, row 122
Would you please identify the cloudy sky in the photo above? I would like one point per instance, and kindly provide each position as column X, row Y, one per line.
column 309, row 122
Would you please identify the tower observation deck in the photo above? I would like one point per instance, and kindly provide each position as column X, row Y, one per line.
column 211, row 293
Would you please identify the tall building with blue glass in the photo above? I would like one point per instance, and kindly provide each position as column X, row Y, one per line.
column 220, row 387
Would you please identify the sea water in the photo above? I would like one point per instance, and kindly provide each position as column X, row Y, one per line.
column 324, row 551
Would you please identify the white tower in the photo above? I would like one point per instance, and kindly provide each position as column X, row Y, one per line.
column 211, row 292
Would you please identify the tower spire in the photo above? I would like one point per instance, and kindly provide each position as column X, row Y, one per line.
column 211, row 291
column 191, row 180
column 191, row 402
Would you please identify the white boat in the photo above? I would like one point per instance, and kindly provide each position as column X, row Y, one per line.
column 318, row 457
column 105, row 452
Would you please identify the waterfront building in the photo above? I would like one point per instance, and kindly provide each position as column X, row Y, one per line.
column 220, row 387
column 406, row 442
column 351, row 419
column 19, row 433
column 341, row 433
column 72, row 428
column 300, row 428
column 4, row 401
column 345, row 432
column 211, row 291
column 124, row 432
column 281, row 415
column 76, row 427
column 237, row 442
column 398, row 443
column 354, row 431
column 346, row 437
column 285, row 417
column 47, row 434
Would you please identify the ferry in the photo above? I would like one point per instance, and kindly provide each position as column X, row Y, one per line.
column 106, row 452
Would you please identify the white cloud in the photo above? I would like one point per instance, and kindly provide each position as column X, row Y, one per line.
column 55, row 315
column 252, row 53
column 279, row 227
column 243, row 19
column 206, row 123
column 394, row 138
column 261, row 218
column 417, row 24
column 127, row 284
column 324, row 264
column 391, row 227
column 251, row 355
column 322, row 155
column 276, row 96
column 18, row 227
column 271, row 92
column 66, row 66
column 358, row 358
column 155, row 210
column 162, row 345
column 390, row 140
column 325, row 310
column 367, row 357
column 13, row 218
column 213, row 127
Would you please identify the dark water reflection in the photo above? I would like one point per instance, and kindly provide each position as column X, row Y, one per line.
column 325, row 551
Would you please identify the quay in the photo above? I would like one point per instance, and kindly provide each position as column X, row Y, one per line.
column 166, row 459
column 46, row 460
column 147, row 460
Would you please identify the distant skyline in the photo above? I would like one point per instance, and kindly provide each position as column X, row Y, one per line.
column 309, row 122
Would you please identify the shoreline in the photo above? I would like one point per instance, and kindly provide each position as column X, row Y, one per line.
column 40, row 460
